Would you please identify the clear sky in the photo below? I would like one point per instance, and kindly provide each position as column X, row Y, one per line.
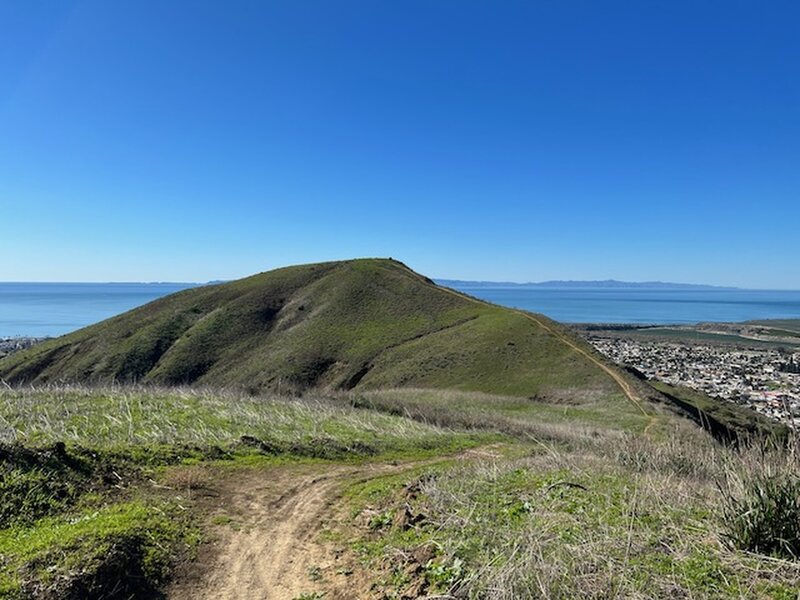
column 531, row 140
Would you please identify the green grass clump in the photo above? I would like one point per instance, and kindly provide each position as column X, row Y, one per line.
column 69, row 529
column 764, row 515
column 28, row 495
column 761, row 501
column 39, row 482
column 122, row 550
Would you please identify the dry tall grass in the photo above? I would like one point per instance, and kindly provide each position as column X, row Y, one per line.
column 141, row 416
column 620, row 517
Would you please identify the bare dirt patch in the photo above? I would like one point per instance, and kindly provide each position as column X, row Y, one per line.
column 265, row 524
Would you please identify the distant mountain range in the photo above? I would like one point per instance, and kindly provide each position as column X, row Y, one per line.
column 606, row 283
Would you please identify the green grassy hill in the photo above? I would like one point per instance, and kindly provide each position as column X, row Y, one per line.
column 361, row 324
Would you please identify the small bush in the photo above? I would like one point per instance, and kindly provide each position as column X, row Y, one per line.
column 761, row 501
column 762, row 514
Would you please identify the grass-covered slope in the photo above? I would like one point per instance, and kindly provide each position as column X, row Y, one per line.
column 724, row 419
column 132, row 493
column 342, row 325
column 98, row 486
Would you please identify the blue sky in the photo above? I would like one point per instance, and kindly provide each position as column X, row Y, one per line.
column 532, row 140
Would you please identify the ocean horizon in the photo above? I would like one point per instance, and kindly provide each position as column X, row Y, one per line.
column 52, row 309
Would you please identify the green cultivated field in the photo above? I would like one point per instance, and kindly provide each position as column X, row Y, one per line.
column 780, row 327
column 772, row 333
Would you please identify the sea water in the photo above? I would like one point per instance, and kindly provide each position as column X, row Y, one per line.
column 645, row 306
column 49, row 309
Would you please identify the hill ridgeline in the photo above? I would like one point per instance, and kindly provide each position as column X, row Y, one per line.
column 359, row 324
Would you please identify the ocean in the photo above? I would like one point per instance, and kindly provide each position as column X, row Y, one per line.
column 49, row 309
column 645, row 306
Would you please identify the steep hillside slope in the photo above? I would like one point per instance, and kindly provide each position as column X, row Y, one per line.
column 369, row 323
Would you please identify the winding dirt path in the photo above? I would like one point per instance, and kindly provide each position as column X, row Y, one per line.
column 266, row 525
column 625, row 386
column 627, row 389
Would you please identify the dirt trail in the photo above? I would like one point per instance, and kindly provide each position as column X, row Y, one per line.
column 266, row 528
column 267, row 523
column 625, row 386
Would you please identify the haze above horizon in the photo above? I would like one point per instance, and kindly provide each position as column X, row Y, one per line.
column 518, row 141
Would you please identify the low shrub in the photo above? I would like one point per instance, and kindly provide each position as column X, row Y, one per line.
column 761, row 502
column 761, row 514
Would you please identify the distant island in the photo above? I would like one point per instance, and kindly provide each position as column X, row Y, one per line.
column 606, row 283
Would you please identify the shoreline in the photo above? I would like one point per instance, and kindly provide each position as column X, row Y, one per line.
column 11, row 344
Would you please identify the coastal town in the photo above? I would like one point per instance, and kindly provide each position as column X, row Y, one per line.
column 9, row 345
column 766, row 380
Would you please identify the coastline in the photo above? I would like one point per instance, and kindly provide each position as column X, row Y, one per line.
column 10, row 345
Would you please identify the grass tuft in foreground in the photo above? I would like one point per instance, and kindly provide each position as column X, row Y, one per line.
column 761, row 502
column 122, row 550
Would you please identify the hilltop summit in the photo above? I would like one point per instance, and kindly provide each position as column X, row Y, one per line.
column 363, row 323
